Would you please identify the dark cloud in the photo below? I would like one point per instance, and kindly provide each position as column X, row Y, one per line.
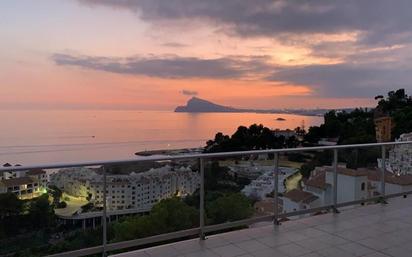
column 347, row 80
column 334, row 80
column 189, row 92
column 170, row 66
column 368, row 63
column 382, row 21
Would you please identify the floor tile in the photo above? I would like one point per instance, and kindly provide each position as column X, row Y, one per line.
column 293, row 250
column 228, row 251
column 251, row 245
column 356, row 249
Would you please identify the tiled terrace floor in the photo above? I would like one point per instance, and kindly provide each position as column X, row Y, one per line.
column 371, row 231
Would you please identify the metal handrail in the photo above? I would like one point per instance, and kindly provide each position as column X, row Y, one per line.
column 202, row 229
column 195, row 156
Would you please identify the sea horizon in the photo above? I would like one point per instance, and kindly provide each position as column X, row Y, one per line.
column 30, row 137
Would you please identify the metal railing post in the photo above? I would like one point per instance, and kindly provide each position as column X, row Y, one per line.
column 383, row 169
column 335, row 181
column 202, row 199
column 104, row 217
column 276, row 190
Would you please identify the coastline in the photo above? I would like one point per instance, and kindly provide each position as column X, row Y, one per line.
column 169, row 151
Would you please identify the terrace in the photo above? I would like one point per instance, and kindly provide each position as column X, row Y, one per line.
column 377, row 225
column 377, row 230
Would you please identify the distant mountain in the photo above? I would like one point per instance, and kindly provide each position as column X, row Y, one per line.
column 199, row 105
column 196, row 104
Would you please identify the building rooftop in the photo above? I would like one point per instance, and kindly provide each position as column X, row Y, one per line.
column 17, row 181
column 372, row 174
column 299, row 196
column 317, row 180
column 347, row 171
column 35, row 172
column 391, row 178
column 370, row 231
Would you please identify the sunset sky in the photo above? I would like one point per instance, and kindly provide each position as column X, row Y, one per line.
column 155, row 55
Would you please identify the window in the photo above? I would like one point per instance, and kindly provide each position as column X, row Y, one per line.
column 363, row 186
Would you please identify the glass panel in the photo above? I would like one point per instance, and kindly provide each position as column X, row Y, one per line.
column 233, row 185
column 159, row 197
column 63, row 211
column 398, row 164
column 307, row 181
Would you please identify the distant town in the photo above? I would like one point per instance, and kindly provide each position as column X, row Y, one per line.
column 199, row 105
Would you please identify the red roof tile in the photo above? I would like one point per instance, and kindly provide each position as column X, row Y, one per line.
column 300, row 196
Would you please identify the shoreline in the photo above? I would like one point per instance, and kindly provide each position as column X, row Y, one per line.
column 169, row 151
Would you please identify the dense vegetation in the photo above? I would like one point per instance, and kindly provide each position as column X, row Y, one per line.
column 256, row 137
column 17, row 216
column 397, row 105
column 348, row 127
column 358, row 126
column 25, row 224
column 167, row 216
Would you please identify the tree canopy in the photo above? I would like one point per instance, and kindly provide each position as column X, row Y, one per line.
column 397, row 105
column 166, row 216
column 10, row 205
column 254, row 137
column 349, row 127
column 230, row 207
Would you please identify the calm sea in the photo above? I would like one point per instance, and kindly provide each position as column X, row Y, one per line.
column 36, row 137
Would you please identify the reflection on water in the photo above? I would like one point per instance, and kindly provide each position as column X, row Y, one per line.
column 29, row 137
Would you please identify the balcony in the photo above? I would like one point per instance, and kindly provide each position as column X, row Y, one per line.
column 335, row 211
column 372, row 231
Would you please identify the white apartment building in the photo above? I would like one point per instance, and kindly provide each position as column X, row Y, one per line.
column 394, row 183
column 133, row 191
column 249, row 169
column 287, row 133
column 39, row 175
column 11, row 174
column 25, row 184
column 23, row 187
column 400, row 156
column 265, row 183
column 354, row 184
column 260, row 187
column 317, row 185
column 74, row 181
column 318, row 189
